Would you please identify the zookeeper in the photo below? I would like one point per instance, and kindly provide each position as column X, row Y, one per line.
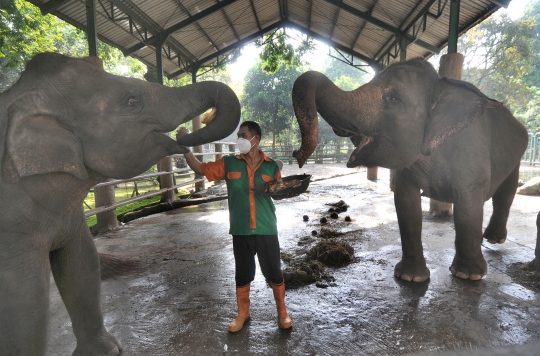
column 253, row 222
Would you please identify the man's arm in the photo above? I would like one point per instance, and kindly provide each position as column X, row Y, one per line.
column 193, row 163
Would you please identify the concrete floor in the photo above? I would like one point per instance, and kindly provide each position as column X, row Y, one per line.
column 182, row 302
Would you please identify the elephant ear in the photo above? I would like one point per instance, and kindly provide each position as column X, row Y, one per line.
column 455, row 106
column 36, row 143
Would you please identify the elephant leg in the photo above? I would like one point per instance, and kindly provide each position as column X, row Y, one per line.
column 469, row 263
column 502, row 200
column 76, row 271
column 535, row 263
column 412, row 266
column 24, row 296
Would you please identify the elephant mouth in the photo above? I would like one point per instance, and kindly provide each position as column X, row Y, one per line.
column 361, row 142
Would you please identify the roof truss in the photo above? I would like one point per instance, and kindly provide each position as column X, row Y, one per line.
column 421, row 16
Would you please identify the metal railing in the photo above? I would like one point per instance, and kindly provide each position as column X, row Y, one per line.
column 532, row 153
column 324, row 153
column 213, row 149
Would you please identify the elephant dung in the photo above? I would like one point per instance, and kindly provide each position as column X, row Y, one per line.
column 332, row 253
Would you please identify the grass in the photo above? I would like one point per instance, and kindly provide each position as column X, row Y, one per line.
column 124, row 191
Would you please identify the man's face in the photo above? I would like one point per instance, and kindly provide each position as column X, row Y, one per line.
column 244, row 133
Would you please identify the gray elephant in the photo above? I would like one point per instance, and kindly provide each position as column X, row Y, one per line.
column 446, row 140
column 66, row 126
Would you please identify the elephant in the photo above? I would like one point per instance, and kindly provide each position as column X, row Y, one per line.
column 445, row 139
column 66, row 126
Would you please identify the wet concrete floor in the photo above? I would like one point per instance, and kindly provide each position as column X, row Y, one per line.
column 183, row 301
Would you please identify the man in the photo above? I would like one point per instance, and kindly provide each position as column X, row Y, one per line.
column 252, row 218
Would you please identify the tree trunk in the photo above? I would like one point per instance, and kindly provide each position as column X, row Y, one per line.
column 197, row 124
column 450, row 67
column 104, row 195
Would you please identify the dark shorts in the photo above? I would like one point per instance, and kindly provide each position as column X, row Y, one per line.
column 267, row 249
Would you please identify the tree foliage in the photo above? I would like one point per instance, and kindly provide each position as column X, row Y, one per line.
column 278, row 50
column 498, row 54
column 502, row 57
column 267, row 100
column 25, row 32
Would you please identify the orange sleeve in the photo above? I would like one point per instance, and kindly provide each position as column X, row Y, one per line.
column 214, row 170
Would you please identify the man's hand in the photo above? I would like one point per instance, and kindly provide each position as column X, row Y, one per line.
column 184, row 150
column 193, row 162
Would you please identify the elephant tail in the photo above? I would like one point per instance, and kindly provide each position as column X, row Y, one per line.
column 114, row 267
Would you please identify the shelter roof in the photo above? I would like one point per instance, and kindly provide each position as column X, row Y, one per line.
column 198, row 33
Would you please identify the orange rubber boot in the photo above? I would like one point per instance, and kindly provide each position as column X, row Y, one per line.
column 242, row 299
column 284, row 320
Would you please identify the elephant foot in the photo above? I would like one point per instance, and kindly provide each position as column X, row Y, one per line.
column 534, row 265
column 473, row 270
column 103, row 344
column 495, row 235
column 409, row 271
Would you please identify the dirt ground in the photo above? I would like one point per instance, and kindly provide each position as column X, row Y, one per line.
column 182, row 301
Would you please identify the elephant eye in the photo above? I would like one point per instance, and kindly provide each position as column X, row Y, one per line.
column 132, row 101
column 392, row 99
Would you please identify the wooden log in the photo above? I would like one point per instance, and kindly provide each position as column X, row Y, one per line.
column 450, row 66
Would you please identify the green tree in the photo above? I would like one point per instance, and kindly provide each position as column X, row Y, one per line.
column 278, row 49
column 267, row 100
column 498, row 54
column 530, row 115
column 24, row 32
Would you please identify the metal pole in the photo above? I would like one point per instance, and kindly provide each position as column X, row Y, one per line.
column 197, row 125
column 165, row 164
column 91, row 28
column 402, row 48
column 454, row 26
column 159, row 61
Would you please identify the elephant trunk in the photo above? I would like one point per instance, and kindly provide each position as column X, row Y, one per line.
column 313, row 92
column 200, row 97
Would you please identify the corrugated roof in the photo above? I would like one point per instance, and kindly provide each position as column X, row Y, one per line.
column 200, row 32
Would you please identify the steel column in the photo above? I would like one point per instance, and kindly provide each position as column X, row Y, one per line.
column 453, row 30
column 91, row 28
column 197, row 125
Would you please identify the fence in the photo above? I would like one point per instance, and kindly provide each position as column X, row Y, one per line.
column 532, row 153
column 214, row 149
column 183, row 175
column 324, row 153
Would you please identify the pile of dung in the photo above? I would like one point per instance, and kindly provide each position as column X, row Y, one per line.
column 338, row 207
column 307, row 265
column 302, row 271
column 524, row 274
column 328, row 233
column 332, row 253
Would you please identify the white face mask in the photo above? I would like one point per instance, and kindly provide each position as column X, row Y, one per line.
column 244, row 145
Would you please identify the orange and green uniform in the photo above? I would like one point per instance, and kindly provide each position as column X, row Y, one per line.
column 249, row 214
column 252, row 217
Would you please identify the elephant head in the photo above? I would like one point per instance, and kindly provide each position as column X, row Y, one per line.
column 405, row 112
column 67, row 115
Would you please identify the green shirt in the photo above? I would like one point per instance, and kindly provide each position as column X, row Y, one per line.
column 249, row 214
